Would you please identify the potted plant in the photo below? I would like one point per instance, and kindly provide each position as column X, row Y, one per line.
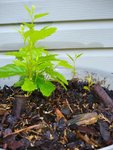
column 43, row 109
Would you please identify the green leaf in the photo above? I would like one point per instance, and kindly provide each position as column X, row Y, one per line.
column 46, row 62
column 16, row 54
column 48, row 58
column 40, row 15
column 11, row 53
column 78, row 55
column 33, row 8
column 64, row 64
column 70, row 57
column 86, row 88
column 44, row 66
column 19, row 55
column 28, row 85
column 38, row 53
column 57, row 76
column 36, row 35
column 47, row 31
column 19, row 63
column 29, row 25
column 20, row 82
column 45, row 86
column 28, row 10
column 11, row 70
column 60, row 77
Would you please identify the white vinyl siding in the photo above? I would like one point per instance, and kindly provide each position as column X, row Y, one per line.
column 82, row 24
column 12, row 11
column 68, row 36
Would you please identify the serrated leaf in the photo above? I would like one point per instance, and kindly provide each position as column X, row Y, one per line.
column 28, row 85
column 11, row 70
column 46, row 87
column 40, row 15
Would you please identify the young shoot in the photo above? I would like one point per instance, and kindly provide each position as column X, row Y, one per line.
column 73, row 60
column 90, row 82
column 34, row 64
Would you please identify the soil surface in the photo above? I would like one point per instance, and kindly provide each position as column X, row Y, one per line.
column 72, row 119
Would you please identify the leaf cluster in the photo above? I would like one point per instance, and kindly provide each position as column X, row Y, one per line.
column 90, row 81
column 35, row 65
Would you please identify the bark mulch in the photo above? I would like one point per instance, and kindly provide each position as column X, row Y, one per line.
column 75, row 119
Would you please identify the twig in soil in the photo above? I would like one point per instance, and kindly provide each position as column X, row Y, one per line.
column 101, row 116
column 64, row 139
column 100, row 92
column 37, row 126
column 84, row 119
column 87, row 139
column 69, row 105
column 4, row 117
column 59, row 114
column 3, row 109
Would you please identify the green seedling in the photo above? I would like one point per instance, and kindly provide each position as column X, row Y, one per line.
column 35, row 65
column 73, row 60
column 90, row 82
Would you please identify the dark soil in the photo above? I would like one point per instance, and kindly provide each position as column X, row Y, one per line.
column 68, row 120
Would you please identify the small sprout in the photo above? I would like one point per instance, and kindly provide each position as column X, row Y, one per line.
column 73, row 60
column 90, row 82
